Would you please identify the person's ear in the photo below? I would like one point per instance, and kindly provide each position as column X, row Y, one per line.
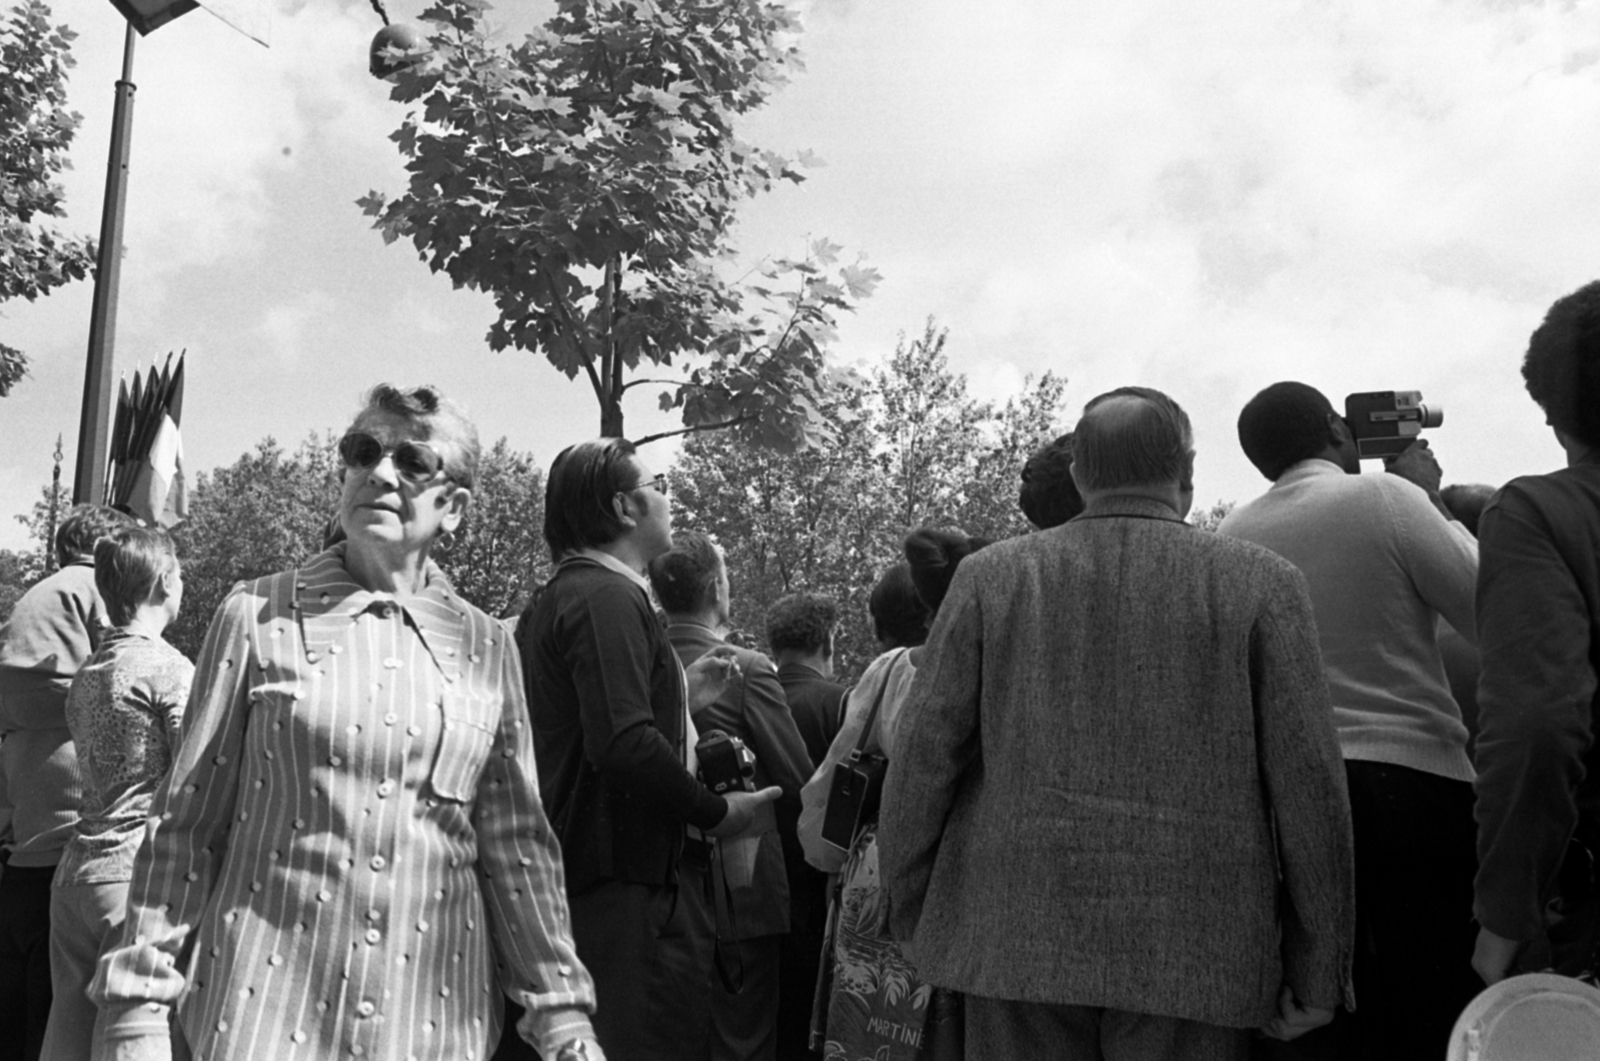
column 1339, row 434
column 622, row 507
column 457, row 502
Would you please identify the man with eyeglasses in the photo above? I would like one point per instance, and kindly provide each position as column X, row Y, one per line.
column 613, row 739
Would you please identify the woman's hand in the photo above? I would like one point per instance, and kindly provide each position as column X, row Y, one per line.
column 142, row 1048
column 712, row 675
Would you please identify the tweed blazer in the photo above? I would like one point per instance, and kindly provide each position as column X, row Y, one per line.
column 1116, row 782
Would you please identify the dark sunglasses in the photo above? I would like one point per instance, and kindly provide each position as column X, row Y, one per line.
column 657, row 483
column 416, row 462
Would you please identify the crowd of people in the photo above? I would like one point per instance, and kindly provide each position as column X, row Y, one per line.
column 1121, row 788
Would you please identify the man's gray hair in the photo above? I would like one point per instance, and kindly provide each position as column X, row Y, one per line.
column 1150, row 444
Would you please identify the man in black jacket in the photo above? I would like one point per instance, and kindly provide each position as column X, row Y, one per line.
column 800, row 633
column 1538, row 763
column 614, row 743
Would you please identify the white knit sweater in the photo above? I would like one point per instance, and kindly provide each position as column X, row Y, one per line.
column 1382, row 564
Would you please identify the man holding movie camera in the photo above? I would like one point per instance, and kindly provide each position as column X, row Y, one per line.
column 1383, row 560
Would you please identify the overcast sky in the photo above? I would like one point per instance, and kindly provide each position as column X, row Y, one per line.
column 1201, row 198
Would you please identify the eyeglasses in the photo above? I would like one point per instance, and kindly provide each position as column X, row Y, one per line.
column 416, row 462
column 657, row 483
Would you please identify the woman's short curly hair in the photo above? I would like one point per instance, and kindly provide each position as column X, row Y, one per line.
column 444, row 420
column 1562, row 366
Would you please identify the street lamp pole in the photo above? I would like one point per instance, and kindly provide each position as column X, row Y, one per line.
column 94, row 426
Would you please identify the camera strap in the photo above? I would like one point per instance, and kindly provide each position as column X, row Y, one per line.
column 872, row 715
column 732, row 981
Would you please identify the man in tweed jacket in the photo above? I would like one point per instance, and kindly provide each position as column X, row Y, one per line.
column 1118, row 819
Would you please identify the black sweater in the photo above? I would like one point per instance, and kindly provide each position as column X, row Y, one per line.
column 1539, row 638
column 606, row 699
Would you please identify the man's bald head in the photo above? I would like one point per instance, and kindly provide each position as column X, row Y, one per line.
column 1133, row 437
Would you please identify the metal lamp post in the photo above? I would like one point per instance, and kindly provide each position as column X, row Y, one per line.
column 94, row 423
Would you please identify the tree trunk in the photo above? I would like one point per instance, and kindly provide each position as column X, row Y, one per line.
column 611, row 360
column 610, row 418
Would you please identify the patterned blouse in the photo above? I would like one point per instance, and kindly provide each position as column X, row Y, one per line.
column 123, row 710
column 351, row 845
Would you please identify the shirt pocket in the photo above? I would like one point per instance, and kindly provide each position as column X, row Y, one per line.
column 464, row 743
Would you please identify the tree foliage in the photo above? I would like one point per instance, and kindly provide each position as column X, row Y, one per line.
column 35, row 132
column 588, row 179
column 915, row 448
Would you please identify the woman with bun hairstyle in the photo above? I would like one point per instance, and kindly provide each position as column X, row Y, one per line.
column 870, row 978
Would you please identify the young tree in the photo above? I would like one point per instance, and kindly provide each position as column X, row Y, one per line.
column 588, row 178
column 35, row 131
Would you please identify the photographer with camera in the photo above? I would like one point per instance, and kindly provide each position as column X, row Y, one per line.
column 1383, row 560
column 749, row 901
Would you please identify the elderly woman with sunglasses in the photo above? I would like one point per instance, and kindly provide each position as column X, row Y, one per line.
column 350, row 855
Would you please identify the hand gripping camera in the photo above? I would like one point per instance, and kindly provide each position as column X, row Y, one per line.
column 726, row 763
column 1384, row 423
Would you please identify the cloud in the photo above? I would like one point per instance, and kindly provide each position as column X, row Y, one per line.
column 285, row 328
column 1212, row 197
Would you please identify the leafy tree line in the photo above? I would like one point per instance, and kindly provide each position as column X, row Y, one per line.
column 914, row 448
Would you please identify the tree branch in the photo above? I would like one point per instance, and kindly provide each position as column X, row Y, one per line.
column 669, row 382
column 723, row 426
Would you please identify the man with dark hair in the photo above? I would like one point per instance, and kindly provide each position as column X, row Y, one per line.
column 1118, row 741
column 800, row 629
column 614, row 742
column 1383, row 561
column 1049, row 497
column 750, row 889
column 54, row 628
column 1538, row 787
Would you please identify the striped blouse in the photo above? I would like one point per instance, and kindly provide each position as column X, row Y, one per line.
column 350, row 845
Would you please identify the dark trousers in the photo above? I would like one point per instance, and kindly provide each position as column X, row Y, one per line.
column 24, row 960
column 1001, row 1030
column 1415, row 861
column 799, row 959
column 649, row 951
column 744, row 1021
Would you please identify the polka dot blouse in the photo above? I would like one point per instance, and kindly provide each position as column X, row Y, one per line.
column 349, row 858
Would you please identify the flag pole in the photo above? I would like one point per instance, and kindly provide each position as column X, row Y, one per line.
column 94, row 426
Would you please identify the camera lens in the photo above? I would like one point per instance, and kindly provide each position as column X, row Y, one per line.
column 1432, row 415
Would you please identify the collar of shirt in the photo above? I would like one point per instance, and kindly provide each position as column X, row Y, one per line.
column 606, row 560
column 794, row 668
column 1123, row 505
column 329, row 603
column 1311, row 468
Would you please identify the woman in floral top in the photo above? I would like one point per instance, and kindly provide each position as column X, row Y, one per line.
column 123, row 710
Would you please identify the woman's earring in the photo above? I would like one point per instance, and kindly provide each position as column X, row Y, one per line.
column 447, row 540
